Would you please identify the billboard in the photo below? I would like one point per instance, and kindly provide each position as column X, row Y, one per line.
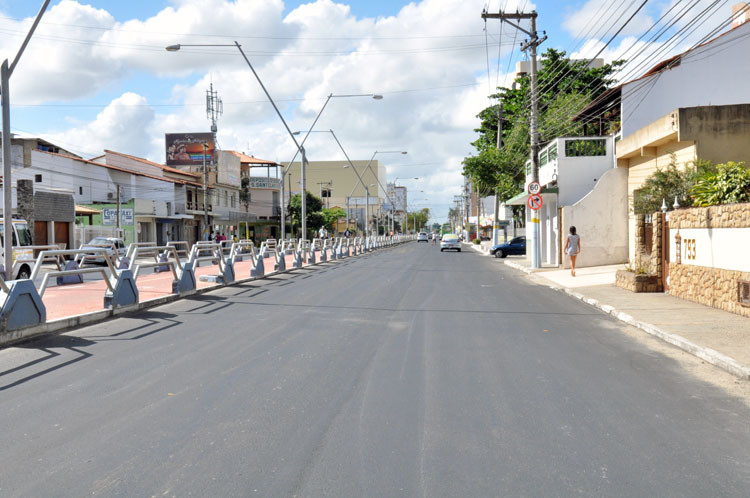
column 109, row 216
column 186, row 149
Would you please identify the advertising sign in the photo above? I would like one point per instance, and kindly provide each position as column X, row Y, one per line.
column 265, row 182
column 109, row 216
column 186, row 149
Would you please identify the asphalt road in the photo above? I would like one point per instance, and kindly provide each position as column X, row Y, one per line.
column 407, row 372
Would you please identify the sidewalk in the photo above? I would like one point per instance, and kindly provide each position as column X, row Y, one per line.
column 716, row 336
column 71, row 300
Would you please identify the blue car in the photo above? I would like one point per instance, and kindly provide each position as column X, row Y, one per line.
column 516, row 247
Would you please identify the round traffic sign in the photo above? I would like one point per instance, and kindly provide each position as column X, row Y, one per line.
column 535, row 201
column 534, row 188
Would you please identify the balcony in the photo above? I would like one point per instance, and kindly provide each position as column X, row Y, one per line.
column 196, row 207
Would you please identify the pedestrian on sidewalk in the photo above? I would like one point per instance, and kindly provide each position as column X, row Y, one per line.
column 572, row 248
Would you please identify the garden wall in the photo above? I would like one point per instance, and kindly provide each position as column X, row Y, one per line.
column 710, row 256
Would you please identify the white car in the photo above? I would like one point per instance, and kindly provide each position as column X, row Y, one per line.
column 107, row 243
column 450, row 241
column 422, row 237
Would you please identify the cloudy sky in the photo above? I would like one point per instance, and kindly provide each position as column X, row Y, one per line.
column 96, row 74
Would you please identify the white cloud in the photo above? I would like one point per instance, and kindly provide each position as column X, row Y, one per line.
column 318, row 48
column 125, row 125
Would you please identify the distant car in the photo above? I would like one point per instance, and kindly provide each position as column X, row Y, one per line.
column 516, row 247
column 108, row 243
column 450, row 241
column 422, row 237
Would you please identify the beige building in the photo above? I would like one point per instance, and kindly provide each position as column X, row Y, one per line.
column 715, row 133
column 338, row 185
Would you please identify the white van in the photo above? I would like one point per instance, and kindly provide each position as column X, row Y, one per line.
column 23, row 259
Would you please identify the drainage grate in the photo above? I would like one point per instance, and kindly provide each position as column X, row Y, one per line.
column 743, row 292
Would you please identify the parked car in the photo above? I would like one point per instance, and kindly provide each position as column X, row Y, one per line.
column 515, row 247
column 450, row 241
column 108, row 243
column 422, row 237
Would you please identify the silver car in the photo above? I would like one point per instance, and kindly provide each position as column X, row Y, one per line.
column 450, row 241
column 422, row 237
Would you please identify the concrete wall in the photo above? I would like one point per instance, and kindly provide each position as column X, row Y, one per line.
column 720, row 132
column 714, row 74
column 601, row 220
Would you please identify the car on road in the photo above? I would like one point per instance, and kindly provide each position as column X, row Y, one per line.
column 450, row 241
column 109, row 243
column 422, row 237
column 516, row 247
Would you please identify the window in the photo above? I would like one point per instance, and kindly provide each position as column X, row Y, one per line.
column 80, row 190
column 325, row 192
column 543, row 158
column 553, row 152
column 232, row 199
column 585, row 147
column 38, row 178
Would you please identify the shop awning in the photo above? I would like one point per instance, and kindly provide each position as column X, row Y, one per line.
column 85, row 211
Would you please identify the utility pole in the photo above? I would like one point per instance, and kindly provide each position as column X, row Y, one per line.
column 496, row 219
column 205, row 193
column 118, row 207
column 531, row 45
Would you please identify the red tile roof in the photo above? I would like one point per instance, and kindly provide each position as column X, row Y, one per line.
column 146, row 161
column 245, row 159
column 124, row 170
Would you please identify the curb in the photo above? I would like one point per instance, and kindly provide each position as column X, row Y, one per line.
column 62, row 325
column 709, row 355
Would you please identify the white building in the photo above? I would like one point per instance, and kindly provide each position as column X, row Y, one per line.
column 712, row 74
column 580, row 187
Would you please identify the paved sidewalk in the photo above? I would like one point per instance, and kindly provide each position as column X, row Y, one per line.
column 71, row 300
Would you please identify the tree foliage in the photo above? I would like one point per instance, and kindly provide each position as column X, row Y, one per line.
column 666, row 184
column 315, row 216
column 565, row 88
column 418, row 219
column 332, row 215
column 727, row 183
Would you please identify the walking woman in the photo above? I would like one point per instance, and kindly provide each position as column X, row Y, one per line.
column 572, row 248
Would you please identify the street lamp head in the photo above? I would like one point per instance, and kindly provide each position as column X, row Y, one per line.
column 173, row 48
column 377, row 97
column 296, row 132
column 404, row 152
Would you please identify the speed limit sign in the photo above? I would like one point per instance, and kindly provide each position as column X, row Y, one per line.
column 534, row 188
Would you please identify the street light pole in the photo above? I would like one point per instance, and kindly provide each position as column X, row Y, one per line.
column 5, row 73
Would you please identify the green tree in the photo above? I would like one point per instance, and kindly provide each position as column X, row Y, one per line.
column 245, row 191
column 727, row 183
column 419, row 219
column 566, row 87
column 666, row 184
column 332, row 215
column 315, row 217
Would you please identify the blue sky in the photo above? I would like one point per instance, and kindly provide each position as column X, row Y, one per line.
column 100, row 88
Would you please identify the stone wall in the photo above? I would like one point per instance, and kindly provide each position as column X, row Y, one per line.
column 724, row 216
column 648, row 261
column 710, row 286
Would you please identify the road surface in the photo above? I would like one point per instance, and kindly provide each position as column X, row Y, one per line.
column 406, row 372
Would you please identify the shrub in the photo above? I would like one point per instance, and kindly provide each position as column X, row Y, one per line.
column 727, row 184
column 668, row 183
column 476, row 241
